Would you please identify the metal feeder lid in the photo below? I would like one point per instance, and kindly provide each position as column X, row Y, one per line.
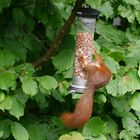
column 87, row 12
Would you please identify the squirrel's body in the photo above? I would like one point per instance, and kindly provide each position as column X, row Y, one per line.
column 98, row 76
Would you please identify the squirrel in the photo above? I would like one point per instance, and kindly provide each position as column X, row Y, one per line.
column 98, row 76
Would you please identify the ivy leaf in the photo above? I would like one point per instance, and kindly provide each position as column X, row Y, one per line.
column 64, row 60
column 17, row 109
column 29, row 86
column 19, row 132
column 4, row 3
column 6, row 104
column 107, row 10
column 135, row 102
column 7, row 80
column 94, row 127
column 6, row 58
column 47, row 82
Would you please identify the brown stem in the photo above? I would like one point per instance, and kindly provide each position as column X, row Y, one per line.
column 59, row 36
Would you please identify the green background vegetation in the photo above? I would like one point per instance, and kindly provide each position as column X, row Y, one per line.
column 33, row 94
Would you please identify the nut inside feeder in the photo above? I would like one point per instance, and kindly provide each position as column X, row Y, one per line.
column 86, row 19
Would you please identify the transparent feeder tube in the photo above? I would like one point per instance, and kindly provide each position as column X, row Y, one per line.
column 84, row 43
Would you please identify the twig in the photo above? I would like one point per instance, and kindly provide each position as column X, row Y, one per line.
column 59, row 36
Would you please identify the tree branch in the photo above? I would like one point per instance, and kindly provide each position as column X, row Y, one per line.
column 59, row 36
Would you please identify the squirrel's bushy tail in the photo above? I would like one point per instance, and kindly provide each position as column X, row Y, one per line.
column 82, row 112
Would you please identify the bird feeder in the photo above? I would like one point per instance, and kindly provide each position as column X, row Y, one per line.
column 86, row 19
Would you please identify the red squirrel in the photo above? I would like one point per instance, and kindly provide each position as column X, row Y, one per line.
column 98, row 76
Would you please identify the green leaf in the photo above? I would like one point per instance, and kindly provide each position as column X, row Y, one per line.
column 112, row 64
column 6, row 58
column 94, row 127
column 94, row 3
column 7, row 80
column 138, row 114
column 132, row 80
column 128, row 83
column 6, row 104
column 131, row 125
column 107, row 9
column 134, row 2
column 139, row 71
column 100, row 98
column 112, row 87
column 41, row 100
column 110, row 33
column 131, row 36
column 16, row 48
column 2, row 96
column 19, row 16
column 112, row 126
column 47, row 82
column 127, row 12
column 19, row 132
column 25, row 69
column 58, row 96
column 17, row 109
column 68, row 73
column 125, row 135
column 117, row 55
column 72, row 136
column 137, row 16
column 133, row 53
column 4, row 3
column 5, row 128
column 122, row 88
column 63, row 87
column 29, row 86
column 65, row 137
column 135, row 101
column 120, row 104
column 37, row 131
column 64, row 60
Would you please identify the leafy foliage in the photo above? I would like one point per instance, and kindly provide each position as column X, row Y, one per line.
column 32, row 99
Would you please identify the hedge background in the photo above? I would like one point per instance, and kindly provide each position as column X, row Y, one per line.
column 35, row 37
